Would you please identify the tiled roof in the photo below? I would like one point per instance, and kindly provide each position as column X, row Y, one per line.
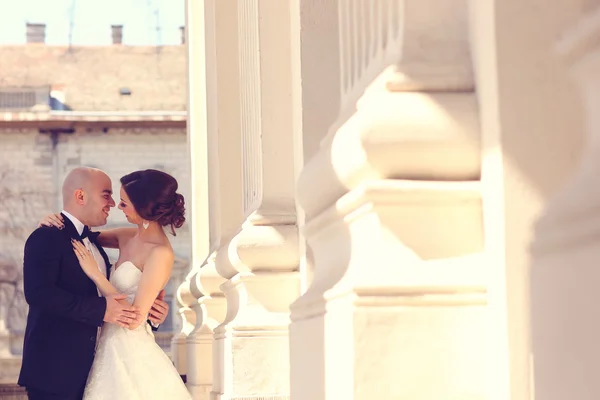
column 92, row 78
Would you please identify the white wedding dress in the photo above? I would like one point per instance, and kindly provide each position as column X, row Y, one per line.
column 129, row 365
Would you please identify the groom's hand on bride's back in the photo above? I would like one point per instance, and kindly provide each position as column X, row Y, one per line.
column 159, row 310
column 120, row 312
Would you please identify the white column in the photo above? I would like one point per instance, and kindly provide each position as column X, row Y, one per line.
column 209, row 310
column 198, row 203
column 397, row 307
column 565, row 273
column 200, row 292
column 261, row 262
column 224, row 175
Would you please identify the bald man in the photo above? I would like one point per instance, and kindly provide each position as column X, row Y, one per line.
column 66, row 311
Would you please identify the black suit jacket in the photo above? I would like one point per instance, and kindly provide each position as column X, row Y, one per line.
column 65, row 312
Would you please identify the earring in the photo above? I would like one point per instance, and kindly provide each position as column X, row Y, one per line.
column 145, row 224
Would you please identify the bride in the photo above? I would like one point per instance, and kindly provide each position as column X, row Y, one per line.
column 128, row 363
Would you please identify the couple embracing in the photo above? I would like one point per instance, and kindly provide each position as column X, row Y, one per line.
column 89, row 328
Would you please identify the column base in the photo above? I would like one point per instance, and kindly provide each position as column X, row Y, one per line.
column 252, row 345
column 398, row 305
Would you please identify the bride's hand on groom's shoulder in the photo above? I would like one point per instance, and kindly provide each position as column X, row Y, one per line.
column 55, row 220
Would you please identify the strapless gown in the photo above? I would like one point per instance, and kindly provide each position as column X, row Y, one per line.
column 129, row 365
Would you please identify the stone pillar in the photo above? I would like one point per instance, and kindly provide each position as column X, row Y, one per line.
column 261, row 262
column 209, row 310
column 565, row 273
column 198, row 291
column 223, row 217
column 397, row 306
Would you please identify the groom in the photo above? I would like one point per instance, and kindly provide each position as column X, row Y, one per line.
column 66, row 311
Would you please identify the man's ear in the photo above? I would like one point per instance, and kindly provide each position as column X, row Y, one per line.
column 80, row 197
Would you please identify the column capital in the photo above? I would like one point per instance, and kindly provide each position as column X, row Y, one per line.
column 429, row 136
column 273, row 247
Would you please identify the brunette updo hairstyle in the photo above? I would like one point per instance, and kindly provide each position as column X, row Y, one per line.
column 154, row 196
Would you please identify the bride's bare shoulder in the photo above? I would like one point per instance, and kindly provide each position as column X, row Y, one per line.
column 161, row 254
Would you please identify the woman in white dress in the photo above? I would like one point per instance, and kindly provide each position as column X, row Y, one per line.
column 128, row 364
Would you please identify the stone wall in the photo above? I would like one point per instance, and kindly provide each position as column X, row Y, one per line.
column 32, row 167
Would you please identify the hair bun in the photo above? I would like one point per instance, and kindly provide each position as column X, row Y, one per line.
column 155, row 198
column 172, row 213
column 178, row 211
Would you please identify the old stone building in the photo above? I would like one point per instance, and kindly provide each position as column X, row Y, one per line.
column 118, row 108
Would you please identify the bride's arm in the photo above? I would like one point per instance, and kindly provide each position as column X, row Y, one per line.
column 155, row 276
column 109, row 238
column 90, row 267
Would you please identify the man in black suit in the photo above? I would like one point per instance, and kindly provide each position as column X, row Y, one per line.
column 66, row 311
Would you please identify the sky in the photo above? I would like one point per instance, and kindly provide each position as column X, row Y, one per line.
column 90, row 21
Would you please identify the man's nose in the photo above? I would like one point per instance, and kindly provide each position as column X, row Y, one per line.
column 112, row 202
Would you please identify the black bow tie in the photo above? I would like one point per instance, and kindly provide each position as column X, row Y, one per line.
column 87, row 233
